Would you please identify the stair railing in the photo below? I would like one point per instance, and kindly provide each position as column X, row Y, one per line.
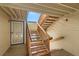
column 44, row 36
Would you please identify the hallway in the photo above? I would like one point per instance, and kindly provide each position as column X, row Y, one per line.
column 16, row 50
column 44, row 31
column 19, row 50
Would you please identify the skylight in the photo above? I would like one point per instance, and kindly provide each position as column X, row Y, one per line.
column 33, row 16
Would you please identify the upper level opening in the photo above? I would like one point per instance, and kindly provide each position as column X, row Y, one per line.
column 33, row 16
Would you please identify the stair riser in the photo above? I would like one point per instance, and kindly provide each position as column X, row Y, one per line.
column 40, row 53
column 37, row 49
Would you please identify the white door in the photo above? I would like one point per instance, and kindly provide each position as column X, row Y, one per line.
column 16, row 32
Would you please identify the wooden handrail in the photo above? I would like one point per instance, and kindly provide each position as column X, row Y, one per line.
column 43, row 30
column 44, row 36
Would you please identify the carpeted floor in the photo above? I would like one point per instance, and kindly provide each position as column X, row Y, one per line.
column 19, row 50
column 60, row 52
column 16, row 50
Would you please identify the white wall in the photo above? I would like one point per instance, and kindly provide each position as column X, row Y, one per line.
column 4, row 33
column 70, row 31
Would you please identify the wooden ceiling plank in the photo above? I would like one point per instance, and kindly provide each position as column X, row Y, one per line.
column 3, row 8
column 13, row 12
column 23, row 14
column 68, row 7
column 62, row 11
column 23, row 7
column 5, row 12
column 20, row 14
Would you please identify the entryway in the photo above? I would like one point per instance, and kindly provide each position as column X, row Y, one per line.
column 17, row 46
column 16, row 32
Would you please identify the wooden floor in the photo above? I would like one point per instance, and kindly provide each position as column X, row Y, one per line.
column 19, row 50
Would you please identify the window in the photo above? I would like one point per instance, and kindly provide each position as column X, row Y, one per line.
column 33, row 16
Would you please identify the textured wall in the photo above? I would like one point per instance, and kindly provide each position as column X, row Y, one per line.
column 70, row 31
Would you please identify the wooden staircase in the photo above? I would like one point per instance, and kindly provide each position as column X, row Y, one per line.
column 37, row 42
column 46, row 20
column 37, row 45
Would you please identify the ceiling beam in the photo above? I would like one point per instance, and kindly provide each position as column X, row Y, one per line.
column 5, row 12
column 45, row 11
column 23, row 14
column 4, row 9
column 17, row 6
column 13, row 12
column 19, row 13
column 23, row 7
column 68, row 6
column 60, row 10
column 12, row 5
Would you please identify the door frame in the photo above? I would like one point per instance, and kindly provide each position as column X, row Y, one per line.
column 11, row 29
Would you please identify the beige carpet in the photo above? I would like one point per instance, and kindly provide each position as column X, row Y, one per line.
column 19, row 50
column 60, row 52
column 16, row 50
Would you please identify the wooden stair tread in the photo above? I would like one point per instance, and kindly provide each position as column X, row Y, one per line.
column 36, row 46
column 34, row 52
column 35, row 40
column 36, row 43
column 34, row 35
column 40, row 52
